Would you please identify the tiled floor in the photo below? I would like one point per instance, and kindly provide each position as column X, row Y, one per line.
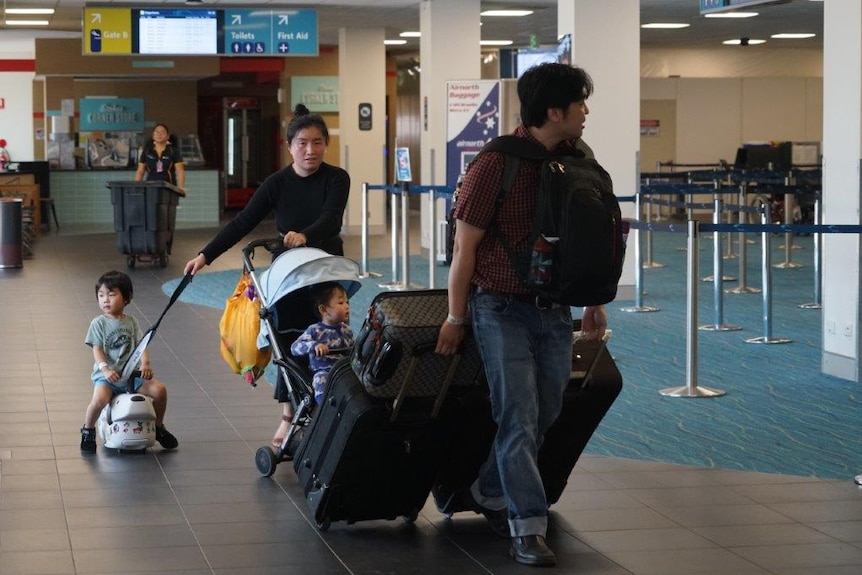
column 204, row 509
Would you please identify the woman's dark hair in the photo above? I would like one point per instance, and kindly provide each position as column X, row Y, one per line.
column 550, row 85
column 114, row 280
column 322, row 293
column 303, row 118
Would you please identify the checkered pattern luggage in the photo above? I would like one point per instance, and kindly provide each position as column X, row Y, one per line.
column 395, row 348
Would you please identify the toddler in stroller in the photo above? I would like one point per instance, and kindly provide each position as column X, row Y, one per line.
column 285, row 290
column 328, row 340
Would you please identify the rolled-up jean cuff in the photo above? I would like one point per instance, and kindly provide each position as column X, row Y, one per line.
column 529, row 526
column 492, row 503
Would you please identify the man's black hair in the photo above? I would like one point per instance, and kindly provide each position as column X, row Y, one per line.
column 550, row 85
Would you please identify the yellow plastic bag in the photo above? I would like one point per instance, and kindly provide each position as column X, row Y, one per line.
column 239, row 328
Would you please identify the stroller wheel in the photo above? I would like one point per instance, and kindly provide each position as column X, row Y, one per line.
column 265, row 461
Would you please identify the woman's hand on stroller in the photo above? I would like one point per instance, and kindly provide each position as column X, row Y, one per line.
column 294, row 239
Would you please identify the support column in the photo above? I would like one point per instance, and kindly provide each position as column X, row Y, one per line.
column 362, row 122
column 448, row 50
column 606, row 43
column 842, row 165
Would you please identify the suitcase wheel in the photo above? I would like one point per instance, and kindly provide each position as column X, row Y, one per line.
column 265, row 461
column 323, row 524
column 414, row 515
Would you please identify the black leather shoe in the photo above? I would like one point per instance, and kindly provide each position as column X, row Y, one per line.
column 497, row 520
column 532, row 550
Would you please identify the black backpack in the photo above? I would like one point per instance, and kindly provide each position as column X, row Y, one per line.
column 574, row 255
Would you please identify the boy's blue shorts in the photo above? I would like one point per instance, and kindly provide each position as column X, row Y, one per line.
column 118, row 389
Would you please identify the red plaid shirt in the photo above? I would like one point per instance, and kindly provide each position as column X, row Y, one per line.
column 479, row 191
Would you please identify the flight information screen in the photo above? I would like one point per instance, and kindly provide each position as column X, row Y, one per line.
column 176, row 32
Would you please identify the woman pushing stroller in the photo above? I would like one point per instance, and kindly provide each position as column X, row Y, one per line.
column 308, row 198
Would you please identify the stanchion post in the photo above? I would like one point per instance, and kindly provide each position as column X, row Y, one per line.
column 718, row 275
column 364, row 273
column 716, row 237
column 639, row 272
column 432, row 232
column 691, row 388
column 788, row 236
column 405, row 236
column 767, row 289
column 393, row 224
column 818, row 277
column 649, row 263
column 743, row 250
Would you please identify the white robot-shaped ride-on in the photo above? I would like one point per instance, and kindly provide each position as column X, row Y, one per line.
column 128, row 422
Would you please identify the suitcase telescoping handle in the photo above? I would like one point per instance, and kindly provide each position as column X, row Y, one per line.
column 417, row 353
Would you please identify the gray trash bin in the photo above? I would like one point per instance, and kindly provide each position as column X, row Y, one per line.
column 11, row 255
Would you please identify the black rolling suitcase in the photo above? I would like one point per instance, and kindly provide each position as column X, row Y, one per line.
column 374, row 447
column 595, row 384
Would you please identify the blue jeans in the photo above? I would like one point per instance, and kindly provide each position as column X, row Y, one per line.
column 527, row 354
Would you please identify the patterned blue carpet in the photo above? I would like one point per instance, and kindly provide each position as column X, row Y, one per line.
column 779, row 415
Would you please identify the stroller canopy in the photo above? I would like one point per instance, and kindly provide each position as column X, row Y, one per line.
column 301, row 267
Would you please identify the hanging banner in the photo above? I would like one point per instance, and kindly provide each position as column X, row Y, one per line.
column 473, row 118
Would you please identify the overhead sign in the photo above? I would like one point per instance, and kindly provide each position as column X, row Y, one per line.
column 107, row 31
column 265, row 32
column 195, row 31
column 707, row 6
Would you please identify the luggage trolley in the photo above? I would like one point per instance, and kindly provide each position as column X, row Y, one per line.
column 145, row 215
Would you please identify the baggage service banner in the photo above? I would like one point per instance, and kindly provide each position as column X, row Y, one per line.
column 473, row 119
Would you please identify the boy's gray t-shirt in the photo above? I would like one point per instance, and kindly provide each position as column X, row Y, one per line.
column 117, row 337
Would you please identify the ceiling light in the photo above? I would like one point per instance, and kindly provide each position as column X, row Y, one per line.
column 410, row 34
column 732, row 15
column 29, row 11
column 506, row 13
column 394, row 42
column 495, row 42
column 785, row 36
column 744, row 42
column 665, row 25
column 26, row 22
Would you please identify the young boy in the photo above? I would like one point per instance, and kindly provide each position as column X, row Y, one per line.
column 113, row 337
column 330, row 333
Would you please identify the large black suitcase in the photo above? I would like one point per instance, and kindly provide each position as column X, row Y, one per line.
column 594, row 385
column 358, row 462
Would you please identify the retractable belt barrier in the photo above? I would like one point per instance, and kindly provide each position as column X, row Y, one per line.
column 693, row 229
column 399, row 208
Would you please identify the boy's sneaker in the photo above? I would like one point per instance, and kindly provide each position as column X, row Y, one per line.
column 88, row 439
column 165, row 438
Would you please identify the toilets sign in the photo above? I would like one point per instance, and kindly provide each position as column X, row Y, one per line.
column 270, row 32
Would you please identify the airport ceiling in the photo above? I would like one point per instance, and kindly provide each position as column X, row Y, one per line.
column 396, row 16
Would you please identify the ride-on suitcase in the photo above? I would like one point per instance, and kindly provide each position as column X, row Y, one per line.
column 375, row 444
column 594, row 385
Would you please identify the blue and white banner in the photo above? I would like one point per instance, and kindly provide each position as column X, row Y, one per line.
column 473, row 118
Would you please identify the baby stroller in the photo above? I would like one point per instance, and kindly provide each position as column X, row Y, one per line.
column 286, row 311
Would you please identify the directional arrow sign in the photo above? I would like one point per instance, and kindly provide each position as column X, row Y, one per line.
column 96, row 18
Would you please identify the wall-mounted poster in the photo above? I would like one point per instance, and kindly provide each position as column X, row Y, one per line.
column 318, row 93
column 473, row 119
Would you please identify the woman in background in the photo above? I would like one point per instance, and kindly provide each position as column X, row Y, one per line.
column 161, row 159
